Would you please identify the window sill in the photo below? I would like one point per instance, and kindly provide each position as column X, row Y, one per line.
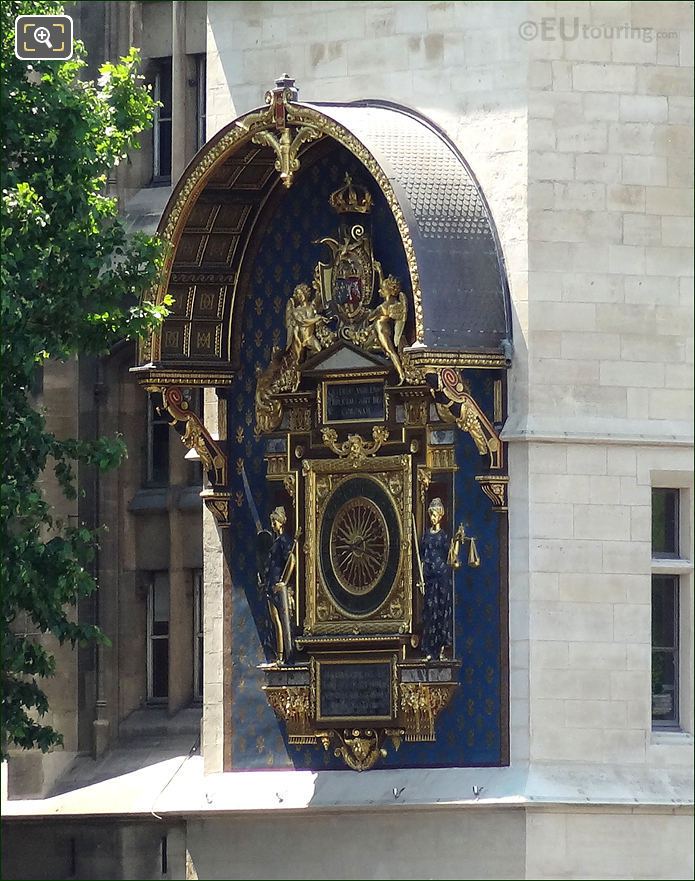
column 669, row 566
column 149, row 500
column 671, row 738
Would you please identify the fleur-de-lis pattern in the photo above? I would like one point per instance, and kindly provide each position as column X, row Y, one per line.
column 469, row 730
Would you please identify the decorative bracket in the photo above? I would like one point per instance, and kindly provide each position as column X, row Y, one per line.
column 495, row 488
column 359, row 748
column 218, row 505
column 288, row 140
column 355, row 449
column 193, row 433
column 455, row 404
column 286, row 148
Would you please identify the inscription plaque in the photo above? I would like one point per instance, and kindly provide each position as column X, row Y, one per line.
column 354, row 402
column 355, row 691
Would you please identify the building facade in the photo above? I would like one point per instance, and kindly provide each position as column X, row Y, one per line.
column 524, row 170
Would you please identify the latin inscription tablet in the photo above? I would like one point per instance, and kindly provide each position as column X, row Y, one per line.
column 359, row 691
column 354, row 402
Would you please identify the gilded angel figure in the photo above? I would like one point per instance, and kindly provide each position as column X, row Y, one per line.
column 388, row 320
column 301, row 320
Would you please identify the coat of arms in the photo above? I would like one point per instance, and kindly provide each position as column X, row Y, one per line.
column 340, row 307
column 345, row 283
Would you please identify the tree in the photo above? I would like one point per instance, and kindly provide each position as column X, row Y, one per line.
column 71, row 284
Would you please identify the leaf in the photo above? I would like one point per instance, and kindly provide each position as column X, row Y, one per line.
column 69, row 276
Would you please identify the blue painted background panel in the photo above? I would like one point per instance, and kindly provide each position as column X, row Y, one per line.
column 469, row 730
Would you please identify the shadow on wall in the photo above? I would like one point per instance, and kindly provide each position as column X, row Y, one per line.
column 392, row 843
column 34, row 850
column 456, row 58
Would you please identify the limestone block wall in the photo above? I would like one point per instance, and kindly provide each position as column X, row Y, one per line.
column 60, row 379
column 610, row 220
column 610, row 368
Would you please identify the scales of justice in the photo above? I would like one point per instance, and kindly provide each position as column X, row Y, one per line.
column 358, row 560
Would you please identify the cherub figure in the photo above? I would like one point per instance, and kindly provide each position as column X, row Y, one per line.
column 388, row 320
column 301, row 319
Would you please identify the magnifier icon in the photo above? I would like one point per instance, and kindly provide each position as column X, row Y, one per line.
column 43, row 35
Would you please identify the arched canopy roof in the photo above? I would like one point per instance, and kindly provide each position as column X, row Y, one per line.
column 459, row 291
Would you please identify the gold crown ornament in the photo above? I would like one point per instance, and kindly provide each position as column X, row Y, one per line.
column 351, row 199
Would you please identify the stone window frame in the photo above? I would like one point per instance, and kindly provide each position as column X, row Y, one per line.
column 162, row 67
column 681, row 567
column 163, row 576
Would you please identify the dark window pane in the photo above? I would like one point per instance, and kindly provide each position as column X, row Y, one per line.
column 160, row 668
column 665, row 650
column 160, row 628
column 664, row 691
column 664, row 522
column 199, row 648
column 165, row 88
column 165, row 149
column 664, row 616
column 160, row 454
column 160, row 603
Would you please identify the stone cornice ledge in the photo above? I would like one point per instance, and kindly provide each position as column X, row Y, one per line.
column 594, row 430
column 178, row 787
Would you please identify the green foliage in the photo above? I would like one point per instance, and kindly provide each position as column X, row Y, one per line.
column 71, row 281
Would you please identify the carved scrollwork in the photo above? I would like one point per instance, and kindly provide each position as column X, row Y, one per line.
column 360, row 748
column 456, row 405
column 424, row 479
column 294, row 706
column 420, row 705
column 495, row 488
column 286, row 148
column 355, row 449
column 290, row 484
column 193, row 433
column 218, row 505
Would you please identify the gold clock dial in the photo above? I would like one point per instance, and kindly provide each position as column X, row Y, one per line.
column 359, row 545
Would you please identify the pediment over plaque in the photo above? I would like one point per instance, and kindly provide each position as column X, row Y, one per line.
column 344, row 359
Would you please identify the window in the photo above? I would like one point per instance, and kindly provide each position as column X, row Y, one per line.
column 665, row 523
column 200, row 105
column 665, row 650
column 157, row 458
column 158, row 638
column 671, row 572
column 161, row 130
column 198, row 635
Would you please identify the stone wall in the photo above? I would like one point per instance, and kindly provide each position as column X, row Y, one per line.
column 610, row 367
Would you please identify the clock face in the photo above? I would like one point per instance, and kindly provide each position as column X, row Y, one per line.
column 359, row 545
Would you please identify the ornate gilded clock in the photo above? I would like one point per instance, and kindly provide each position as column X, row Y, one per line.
column 353, row 454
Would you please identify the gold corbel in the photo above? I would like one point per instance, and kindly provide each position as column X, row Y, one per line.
column 218, row 505
column 456, row 405
column 359, row 748
column 424, row 479
column 290, row 484
column 293, row 704
column 420, row 704
column 495, row 488
column 194, row 435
